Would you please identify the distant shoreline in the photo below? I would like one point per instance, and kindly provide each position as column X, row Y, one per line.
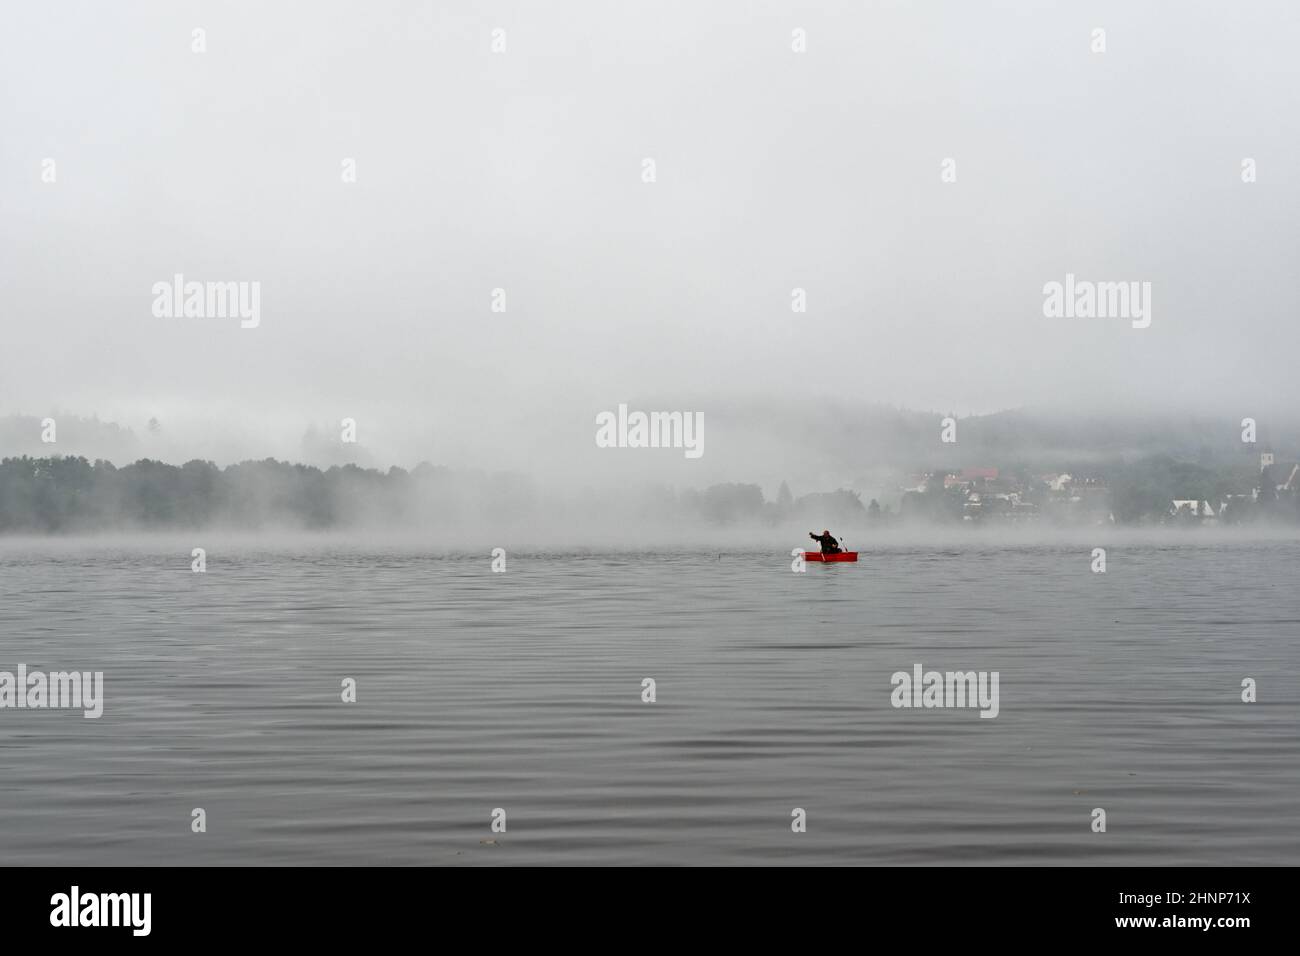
column 60, row 495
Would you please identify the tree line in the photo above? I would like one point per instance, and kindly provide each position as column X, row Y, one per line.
column 73, row 494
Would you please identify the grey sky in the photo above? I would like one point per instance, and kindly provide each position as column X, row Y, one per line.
column 522, row 170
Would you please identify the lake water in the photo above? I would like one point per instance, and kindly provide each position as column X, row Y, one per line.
column 523, row 691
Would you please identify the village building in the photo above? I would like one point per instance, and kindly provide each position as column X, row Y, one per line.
column 1191, row 507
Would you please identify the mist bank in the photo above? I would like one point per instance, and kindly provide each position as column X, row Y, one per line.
column 812, row 444
column 70, row 496
column 173, row 550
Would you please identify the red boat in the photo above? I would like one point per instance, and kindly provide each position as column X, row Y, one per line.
column 842, row 556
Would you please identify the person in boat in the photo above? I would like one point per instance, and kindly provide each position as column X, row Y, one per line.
column 829, row 544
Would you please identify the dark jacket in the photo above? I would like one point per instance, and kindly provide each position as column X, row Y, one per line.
column 829, row 544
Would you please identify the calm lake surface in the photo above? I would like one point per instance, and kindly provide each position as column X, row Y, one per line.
column 522, row 691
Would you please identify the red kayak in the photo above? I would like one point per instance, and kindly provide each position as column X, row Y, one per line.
column 842, row 556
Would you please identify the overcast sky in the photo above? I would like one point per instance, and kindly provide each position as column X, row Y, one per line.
column 523, row 170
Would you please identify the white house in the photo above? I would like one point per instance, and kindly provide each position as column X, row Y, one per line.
column 1056, row 482
column 1198, row 509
